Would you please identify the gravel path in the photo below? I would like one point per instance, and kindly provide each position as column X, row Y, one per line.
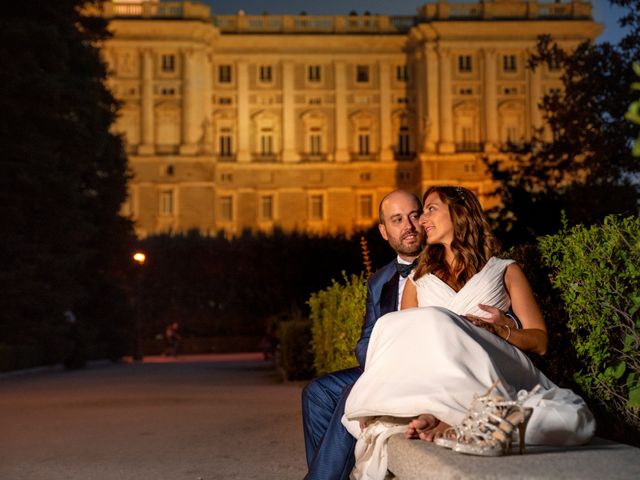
column 206, row 417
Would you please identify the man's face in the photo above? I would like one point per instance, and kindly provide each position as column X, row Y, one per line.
column 401, row 229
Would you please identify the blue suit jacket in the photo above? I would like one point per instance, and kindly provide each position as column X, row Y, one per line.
column 374, row 291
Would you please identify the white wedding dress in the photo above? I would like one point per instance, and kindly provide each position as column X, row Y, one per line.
column 431, row 360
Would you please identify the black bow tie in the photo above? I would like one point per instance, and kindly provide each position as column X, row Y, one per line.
column 404, row 270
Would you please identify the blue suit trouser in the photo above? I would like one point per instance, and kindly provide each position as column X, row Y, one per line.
column 329, row 446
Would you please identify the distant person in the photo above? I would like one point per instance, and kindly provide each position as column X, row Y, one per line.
column 172, row 338
column 268, row 343
column 77, row 356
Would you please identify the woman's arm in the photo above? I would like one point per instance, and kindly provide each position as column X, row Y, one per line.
column 409, row 295
column 533, row 335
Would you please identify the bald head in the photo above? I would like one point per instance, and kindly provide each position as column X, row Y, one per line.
column 396, row 195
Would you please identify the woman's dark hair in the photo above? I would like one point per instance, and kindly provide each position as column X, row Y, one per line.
column 473, row 243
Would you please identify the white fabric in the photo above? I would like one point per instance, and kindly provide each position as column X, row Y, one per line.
column 402, row 281
column 431, row 360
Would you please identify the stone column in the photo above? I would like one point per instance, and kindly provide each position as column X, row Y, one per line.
column 341, row 126
column 244, row 123
column 386, row 150
column 446, row 121
column 147, row 144
column 189, row 121
column 535, row 97
column 490, row 101
column 431, row 124
column 419, row 91
column 207, row 134
column 289, row 153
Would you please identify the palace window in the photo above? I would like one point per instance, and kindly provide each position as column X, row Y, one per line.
column 266, row 141
column 403, row 176
column 314, row 73
column 315, row 144
column 226, row 208
column 166, row 207
column 316, row 207
column 265, row 73
column 362, row 73
column 364, row 142
column 365, row 206
column 554, row 64
column 402, row 73
column 509, row 63
column 464, row 63
column 224, row 73
column 266, row 207
column 168, row 63
column 467, row 138
column 225, row 143
column 404, row 147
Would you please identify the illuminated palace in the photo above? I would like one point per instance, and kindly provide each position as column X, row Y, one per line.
column 304, row 122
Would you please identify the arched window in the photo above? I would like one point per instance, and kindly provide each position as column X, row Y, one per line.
column 466, row 125
column 266, row 138
column 315, row 135
column 511, row 122
column 403, row 124
column 168, row 120
column 364, row 134
column 224, row 136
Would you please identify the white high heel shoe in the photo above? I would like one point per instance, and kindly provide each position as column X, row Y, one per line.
column 489, row 426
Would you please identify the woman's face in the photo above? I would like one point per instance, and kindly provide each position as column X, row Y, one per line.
column 436, row 221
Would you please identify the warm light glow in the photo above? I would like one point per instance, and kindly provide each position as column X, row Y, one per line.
column 139, row 257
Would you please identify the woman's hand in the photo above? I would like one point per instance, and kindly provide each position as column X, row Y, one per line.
column 497, row 322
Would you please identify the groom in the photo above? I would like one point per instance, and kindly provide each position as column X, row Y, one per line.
column 328, row 445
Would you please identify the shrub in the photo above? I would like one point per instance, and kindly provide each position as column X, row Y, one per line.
column 336, row 316
column 597, row 271
column 294, row 351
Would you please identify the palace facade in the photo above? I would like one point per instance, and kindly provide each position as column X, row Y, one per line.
column 305, row 122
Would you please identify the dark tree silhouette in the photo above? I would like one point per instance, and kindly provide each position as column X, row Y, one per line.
column 63, row 176
column 587, row 169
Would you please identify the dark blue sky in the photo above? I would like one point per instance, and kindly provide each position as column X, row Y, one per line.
column 603, row 12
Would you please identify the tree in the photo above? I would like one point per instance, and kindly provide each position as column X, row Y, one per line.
column 64, row 173
column 587, row 169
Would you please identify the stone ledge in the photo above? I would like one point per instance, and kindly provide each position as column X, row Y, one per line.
column 600, row 459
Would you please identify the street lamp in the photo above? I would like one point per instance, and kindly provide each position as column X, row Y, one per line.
column 139, row 258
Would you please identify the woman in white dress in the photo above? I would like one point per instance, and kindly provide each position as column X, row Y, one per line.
column 450, row 342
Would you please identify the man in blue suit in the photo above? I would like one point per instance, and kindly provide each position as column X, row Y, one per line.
column 328, row 445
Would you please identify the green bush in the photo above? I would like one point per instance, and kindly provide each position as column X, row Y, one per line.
column 336, row 315
column 597, row 271
column 294, row 351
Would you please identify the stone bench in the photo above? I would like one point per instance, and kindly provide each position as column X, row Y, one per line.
column 600, row 459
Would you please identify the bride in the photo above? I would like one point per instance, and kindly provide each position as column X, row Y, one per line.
column 450, row 342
